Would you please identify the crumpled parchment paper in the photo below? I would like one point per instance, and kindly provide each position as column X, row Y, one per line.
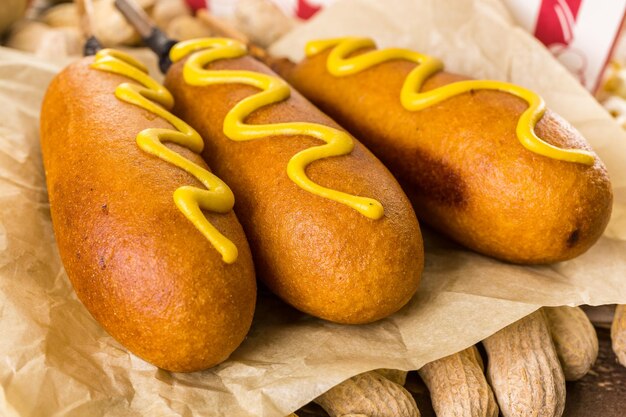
column 57, row 361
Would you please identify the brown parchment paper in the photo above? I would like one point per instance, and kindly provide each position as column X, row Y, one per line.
column 55, row 360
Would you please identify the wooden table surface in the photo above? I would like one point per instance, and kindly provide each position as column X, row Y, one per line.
column 601, row 393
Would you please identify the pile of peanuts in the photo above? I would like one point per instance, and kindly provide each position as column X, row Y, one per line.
column 51, row 29
column 612, row 91
column 528, row 364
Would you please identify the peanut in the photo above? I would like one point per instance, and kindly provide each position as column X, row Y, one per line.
column 616, row 105
column 618, row 334
column 524, row 369
column 44, row 41
column 369, row 394
column 186, row 27
column 262, row 21
column 10, row 12
column 574, row 338
column 476, row 357
column 164, row 11
column 394, row 375
column 111, row 27
column 61, row 15
column 458, row 387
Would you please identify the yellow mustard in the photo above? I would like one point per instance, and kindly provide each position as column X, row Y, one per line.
column 273, row 90
column 339, row 65
column 153, row 97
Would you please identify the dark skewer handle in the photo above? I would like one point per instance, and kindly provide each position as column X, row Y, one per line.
column 161, row 45
column 154, row 38
column 92, row 46
column 85, row 14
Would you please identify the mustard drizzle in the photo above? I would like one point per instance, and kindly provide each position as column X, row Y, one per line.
column 273, row 90
column 153, row 97
column 413, row 100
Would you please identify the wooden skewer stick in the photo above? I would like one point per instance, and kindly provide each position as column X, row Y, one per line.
column 152, row 36
column 224, row 29
column 84, row 9
column 282, row 66
column 156, row 40
column 85, row 17
column 221, row 28
column 136, row 16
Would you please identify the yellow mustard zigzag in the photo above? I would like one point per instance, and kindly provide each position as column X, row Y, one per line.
column 153, row 97
column 273, row 90
column 413, row 100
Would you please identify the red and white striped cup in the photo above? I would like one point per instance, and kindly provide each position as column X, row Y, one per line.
column 580, row 33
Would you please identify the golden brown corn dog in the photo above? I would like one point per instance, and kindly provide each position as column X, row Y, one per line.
column 142, row 269
column 460, row 160
column 322, row 256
